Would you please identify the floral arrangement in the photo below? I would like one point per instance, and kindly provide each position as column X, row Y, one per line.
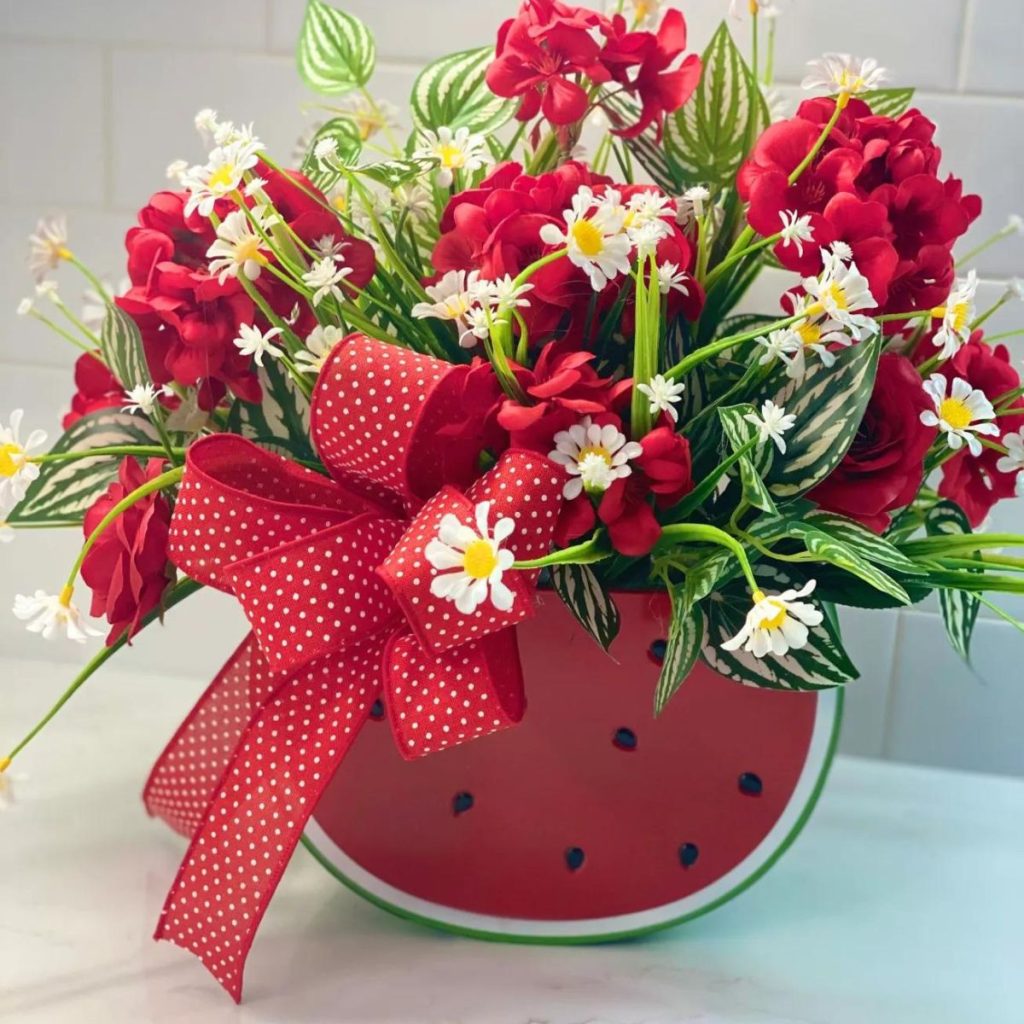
column 386, row 397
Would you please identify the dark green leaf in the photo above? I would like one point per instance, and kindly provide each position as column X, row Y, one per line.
column 753, row 466
column 280, row 421
column 869, row 544
column 685, row 637
column 584, row 596
column 959, row 607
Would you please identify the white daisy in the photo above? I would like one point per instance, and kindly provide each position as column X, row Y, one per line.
column 325, row 278
column 595, row 237
column 817, row 336
column 320, row 343
column 451, row 151
column 773, row 422
column 782, row 344
column 843, row 74
column 471, row 562
column 663, row 395
column 777, row 624
column 415, row 201
column 796, row 229
column 220, row 176
column 16, row 471
column 48, row 245
column 143, row 398
column 956, row 314
column 239, row 248
column 50, row 614
column 251, row 341
column 646, row 14
column 765, row 8
column 593, row 456
column 962, row 415
column 454, row 295
column 839, row 291
column 672, row 279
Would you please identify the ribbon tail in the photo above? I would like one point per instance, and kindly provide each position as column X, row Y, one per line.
column 285, row 758
column 186, row 774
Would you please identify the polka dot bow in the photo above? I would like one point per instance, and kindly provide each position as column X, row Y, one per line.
column 393, row 579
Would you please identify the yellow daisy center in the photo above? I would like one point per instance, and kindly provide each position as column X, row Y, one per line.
column 223, row 177
column 451, row 156
column 588, row 238
column 810, row 333
column 249, row 249
column 849, row 82
column 480, row 559
column 340, row 202
column 595, row 449
column 954, row 411
column 960, row 310
column 778, row 618
column 456, row 305
column 8, row 454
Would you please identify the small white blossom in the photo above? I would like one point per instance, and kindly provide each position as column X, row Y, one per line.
column 454, row 295
column 329, row 245
column 796, row 229
column 251, row 341
column 1014, row 224
column 781, row 344
column 1013, row 460
column 48, row 245
column 962, row 415
column 220, row 176
column 143, row 398
column 696, row 198
column 777, row 624
column 16, row 471
column 239, row 248
column 1014, row 290
column 471, row 563
column 320, row 343
column 176, row 171
column 773, row 422
column 841, row 250
column 451, row 151
column 843, row 74
column 646, row 236
column 671, row 279
column 839, row 291
column 663, row 394
column 956, row 314
column 207, row 125
column 51, row 614
column 504, row 294
column 415, row 201
column 594, row 456
column 25, row 306
column 326, row 151
column 325, row 278
column 48, row 290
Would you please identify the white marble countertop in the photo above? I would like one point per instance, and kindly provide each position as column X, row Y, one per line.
column 902, row 903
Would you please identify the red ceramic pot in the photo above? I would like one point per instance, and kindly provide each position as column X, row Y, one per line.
column 591, row 819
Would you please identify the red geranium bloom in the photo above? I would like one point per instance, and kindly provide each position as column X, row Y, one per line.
column 663, row 470
column 538, row 50
column 127, row 568
column 97, row 388
column 974, row 482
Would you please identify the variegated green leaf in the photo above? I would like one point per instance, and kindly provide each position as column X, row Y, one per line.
column 325, row 173
column 959, row 607
column 828, row 404
column 888, row 102
column 845, row 556
column 753, row 467
column 122, row 348
column 280, row 421
column 709, row 135
column 685, row 637
column 868, row 544
column 584, row 596
column 453, row 91
column 336, row 52
column 823, row 663
column 393, row 173
column 622, row 111
column 64, row 490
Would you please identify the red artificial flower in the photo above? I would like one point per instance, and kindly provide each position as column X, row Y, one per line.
column 536, row 53
column 127, row 568
column 664, row 471
column 974, row 482
column 874, row 185
column 97, row 388
column 884, row 467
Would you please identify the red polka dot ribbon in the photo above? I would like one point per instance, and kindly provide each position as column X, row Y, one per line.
column 391, row 579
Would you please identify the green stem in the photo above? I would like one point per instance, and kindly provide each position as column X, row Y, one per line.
column 593, row 550
column 710, row 535
column 1004, row 615
column 57, row 329
column 979, row 249
column 821, row 140
column 115, row 449
column 733, row 258
column 694, row 359
column 101, row 291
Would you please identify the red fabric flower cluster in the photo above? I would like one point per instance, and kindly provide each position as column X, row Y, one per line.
column 96, row 388
column 875, row 186
column 127, row 568
column 546, row 53
column 495, row 229
column 188, row 319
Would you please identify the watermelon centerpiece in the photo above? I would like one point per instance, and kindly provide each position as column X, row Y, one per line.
column 591, row 819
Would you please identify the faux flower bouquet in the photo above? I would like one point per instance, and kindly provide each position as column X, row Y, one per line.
column 388, row 398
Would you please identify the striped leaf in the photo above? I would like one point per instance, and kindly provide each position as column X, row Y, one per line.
column 122, row 348
column 622, row 111
column 453, row 91
column 336, row 52
column 709, row 135
column 847, row 557
column 739, row 432
column 888, row 102
column 823, row 663
column 64, row 490
column 280, row 421
column 828, row 404
column 594, row 610
column 959, row 607
column 685, row 637
column 392, row 173
column 868, row 544
column 350, row 143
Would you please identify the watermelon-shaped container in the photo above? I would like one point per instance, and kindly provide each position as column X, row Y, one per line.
column 590, row 820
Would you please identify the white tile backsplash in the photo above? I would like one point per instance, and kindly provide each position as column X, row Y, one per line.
column 100, row 98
